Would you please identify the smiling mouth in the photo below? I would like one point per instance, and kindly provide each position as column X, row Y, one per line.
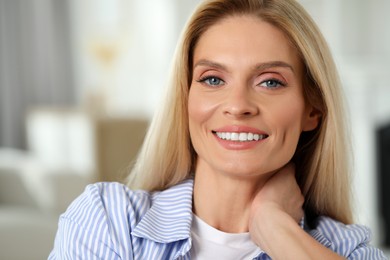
column 240, row 137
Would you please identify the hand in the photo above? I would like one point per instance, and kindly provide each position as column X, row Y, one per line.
column 280, row 195
column 281, row 192
column 275, row 212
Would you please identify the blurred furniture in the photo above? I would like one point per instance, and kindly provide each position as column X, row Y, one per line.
column 68, row 149
column 31, row 199
column 117, row 143
column 104, row 146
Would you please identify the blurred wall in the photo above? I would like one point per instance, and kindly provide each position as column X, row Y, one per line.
column 123, row 50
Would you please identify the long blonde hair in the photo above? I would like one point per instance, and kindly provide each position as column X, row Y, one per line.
column 321, row 158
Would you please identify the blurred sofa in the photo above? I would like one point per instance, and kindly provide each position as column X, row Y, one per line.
column 31, row 200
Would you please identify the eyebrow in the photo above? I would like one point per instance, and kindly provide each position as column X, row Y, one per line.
column 259, row 66
column 273, row 64
column 209, row 63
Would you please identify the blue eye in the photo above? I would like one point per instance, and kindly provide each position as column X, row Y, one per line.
column 272, row 83
column 212, row 81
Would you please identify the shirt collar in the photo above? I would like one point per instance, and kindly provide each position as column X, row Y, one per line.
column 170, row 215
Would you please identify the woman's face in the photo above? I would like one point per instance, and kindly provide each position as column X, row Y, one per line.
column 246, row 106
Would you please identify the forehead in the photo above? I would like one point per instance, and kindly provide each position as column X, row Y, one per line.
column 246, row 37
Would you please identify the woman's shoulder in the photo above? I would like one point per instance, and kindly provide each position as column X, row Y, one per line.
column 108, row 198
column 110, row 192
column 115, row 192
column 348, row 240
column 97, row 224
column 108, row 220
column 116, row 200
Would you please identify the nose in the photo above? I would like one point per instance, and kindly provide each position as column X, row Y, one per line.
column 240, row 102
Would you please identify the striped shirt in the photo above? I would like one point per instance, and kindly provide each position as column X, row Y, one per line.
column 110, row 221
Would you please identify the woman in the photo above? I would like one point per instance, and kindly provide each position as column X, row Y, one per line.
column 249, row 144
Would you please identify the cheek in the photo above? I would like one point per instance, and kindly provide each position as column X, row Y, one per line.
column 286, row 121
column 287, row 118
column 197, row 115
column 194, row 112
column 200, row 108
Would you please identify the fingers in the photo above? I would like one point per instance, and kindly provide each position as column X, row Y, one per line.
column 283, row 191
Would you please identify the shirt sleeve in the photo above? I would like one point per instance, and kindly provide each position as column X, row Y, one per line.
column 350, row 241
column 95, row 225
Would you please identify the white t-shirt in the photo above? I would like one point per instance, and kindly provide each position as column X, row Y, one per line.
column 210, row 243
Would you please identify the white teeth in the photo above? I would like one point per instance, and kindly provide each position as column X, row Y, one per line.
column 242, row 137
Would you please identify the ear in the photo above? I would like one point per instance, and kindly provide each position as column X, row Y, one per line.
column 312, row 119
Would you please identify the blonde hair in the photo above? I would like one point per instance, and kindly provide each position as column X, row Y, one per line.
column 321, row 158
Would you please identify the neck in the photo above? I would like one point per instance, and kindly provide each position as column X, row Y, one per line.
column 224, row 201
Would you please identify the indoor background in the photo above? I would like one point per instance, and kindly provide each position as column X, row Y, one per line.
column 80, row 80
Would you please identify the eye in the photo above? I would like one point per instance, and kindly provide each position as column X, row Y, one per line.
column 272, row 83
column 212, row 81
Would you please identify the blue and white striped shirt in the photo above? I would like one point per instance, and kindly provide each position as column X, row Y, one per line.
column 110, row 221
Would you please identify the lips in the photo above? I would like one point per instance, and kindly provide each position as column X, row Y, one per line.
column 240, row 137
column 240, row 134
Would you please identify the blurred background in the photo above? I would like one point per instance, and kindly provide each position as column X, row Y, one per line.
column 80, row 80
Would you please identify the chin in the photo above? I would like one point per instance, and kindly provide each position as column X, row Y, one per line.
column 240, row 170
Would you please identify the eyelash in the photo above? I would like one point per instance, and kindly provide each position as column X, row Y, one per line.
column 205, row 79
column 278, row 82
column 221, row 82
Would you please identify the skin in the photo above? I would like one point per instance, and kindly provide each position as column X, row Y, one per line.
column 250, row 82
